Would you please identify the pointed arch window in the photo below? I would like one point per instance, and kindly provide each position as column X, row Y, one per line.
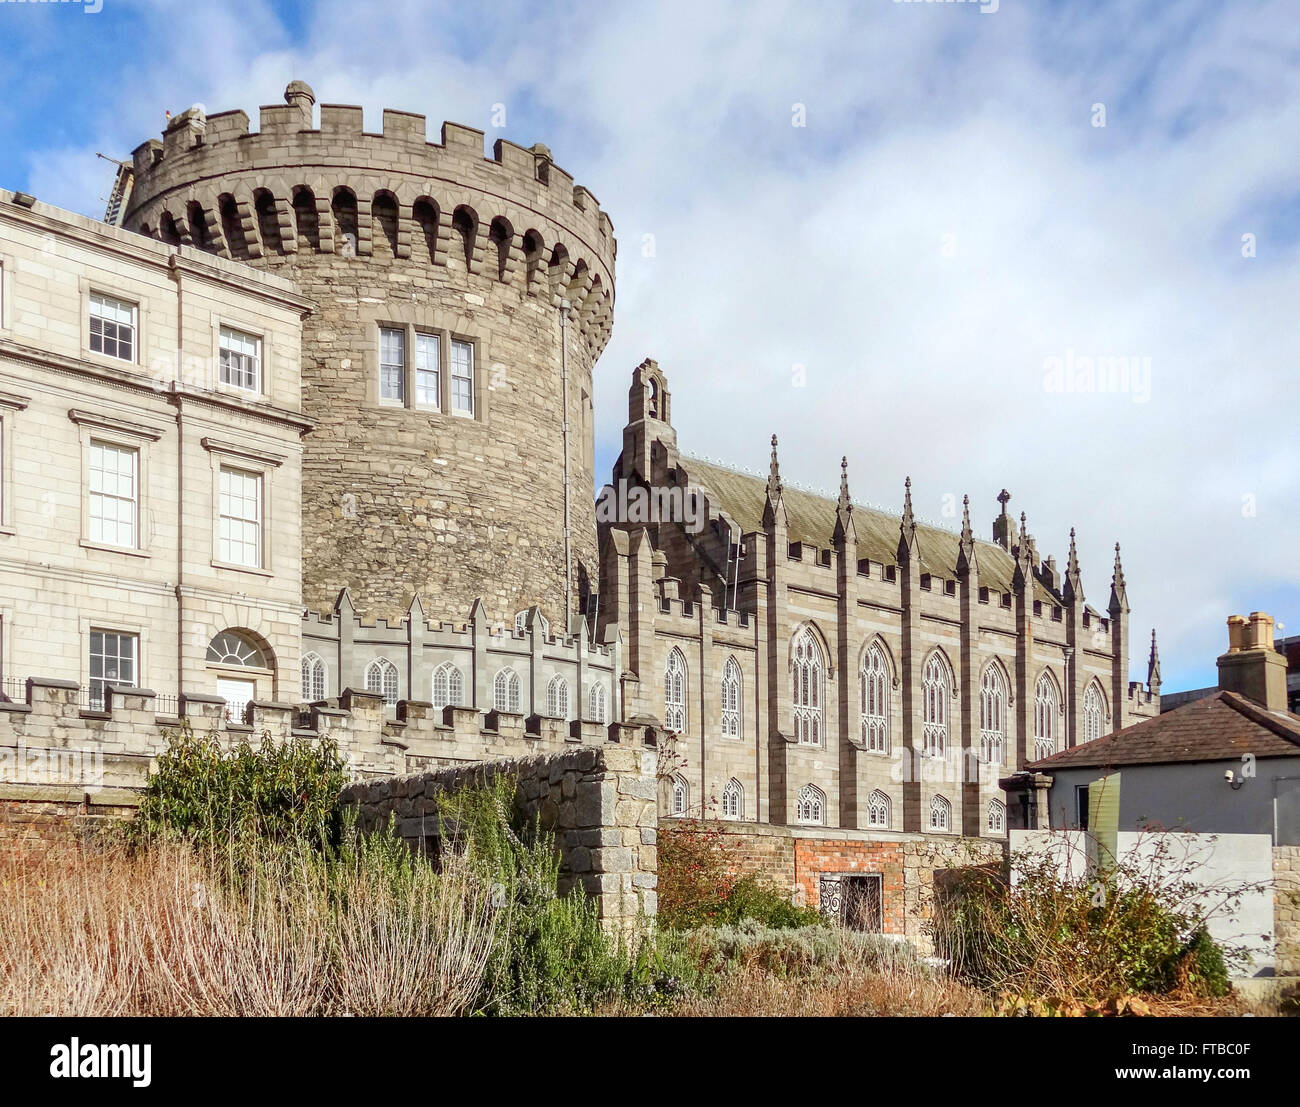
column 596, row 703
column 807, row 674
column 934, row 694
column 811, row 805
column 681, row 796
column 1046, row 707
column 557, row 698
column 940, row 814
column 313, row 678
column 505, row 691
column 675, row 691
column 381, row 679
column 993, row 713
column 1094, row 711
column 878, row 807
column 733, row 800
column 731, row 718
column 997, row 820
column 448, row 686
column 873, row 689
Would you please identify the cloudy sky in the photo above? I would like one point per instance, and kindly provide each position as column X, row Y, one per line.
column 895, row 231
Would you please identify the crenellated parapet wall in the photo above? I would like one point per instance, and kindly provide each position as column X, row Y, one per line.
column 460, row 304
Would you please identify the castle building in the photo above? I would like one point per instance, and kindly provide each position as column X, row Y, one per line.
column 150, row 455
column 460, row 306
column 305, row 444
column 827, row 664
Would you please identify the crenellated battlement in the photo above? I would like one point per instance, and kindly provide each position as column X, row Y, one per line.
column 513, row 218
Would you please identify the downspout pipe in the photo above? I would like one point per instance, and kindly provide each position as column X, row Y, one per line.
column 564, row 441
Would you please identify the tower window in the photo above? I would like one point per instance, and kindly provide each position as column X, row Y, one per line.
column 427, row 370
column 392, row 365
column 462, row 377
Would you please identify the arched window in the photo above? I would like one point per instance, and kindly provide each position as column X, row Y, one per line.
column 878, row 810
column 993, row 711
column 811, row 807
column 448, row 686
column 806, row 674
column 675, row 691
column 596, row 701
column 1045, row 711
column 731, row 720
column 873, row 689
column 381, row 679
column 940, row 813
column 557, row 698
column 681, row 799
column 1094, row 711
column 313, row 678
column 505, row 691
column 237, row 651
column 934, row 692
column 733, row 800
column 997, row 822
column 521, row 622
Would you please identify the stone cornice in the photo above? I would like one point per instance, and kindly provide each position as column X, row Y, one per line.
column 111, row 423
column 217, row 445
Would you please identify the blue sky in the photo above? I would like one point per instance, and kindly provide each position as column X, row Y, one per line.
column 948, row 222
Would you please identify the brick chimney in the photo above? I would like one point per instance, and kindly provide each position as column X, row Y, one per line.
column 1252, row 667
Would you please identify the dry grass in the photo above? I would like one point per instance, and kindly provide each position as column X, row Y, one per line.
column 853, row 991
column 106, row 933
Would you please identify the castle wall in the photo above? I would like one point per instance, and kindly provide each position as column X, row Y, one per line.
column 388, row 230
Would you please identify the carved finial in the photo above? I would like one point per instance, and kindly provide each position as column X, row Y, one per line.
column 774, row 474
column 907, row 525
column 966, row 534
column 844, row 526
column 1072, row 565
column 844, row 483
column 1073, row 578
column 1153, row 666
column 907, row 502
column 1118, row 593
column 966, row 546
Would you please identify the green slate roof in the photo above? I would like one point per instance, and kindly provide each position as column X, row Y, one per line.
column 811, row 519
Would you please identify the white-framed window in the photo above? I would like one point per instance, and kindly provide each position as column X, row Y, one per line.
column 873, row 689
column 462, row 377
column 681, row 796
column 235, row 650
column 675, row 691
column 596, row 703
column 878, row 808
column 543, row 624
column 1094, row 712
column 239, row 517
column 448, row 686
column 940, row 813
column 733, row 800
column 557, row 698
column 993, row 710
column 934, row 706
column 314, row 678
column 731, row 711
column 114, row 493
column 392, row 365
column 806, row 677
column 505, row 691
column 114, row 659
column 428, row 370
column 241, row 359
column 112, row 327
column 381, row 680
column 1045, row 711
column 810, row 806
column 997, row 818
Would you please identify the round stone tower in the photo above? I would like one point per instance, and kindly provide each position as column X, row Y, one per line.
column 461, row 304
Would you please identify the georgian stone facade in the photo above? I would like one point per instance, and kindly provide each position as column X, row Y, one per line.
column 826, row 664
column 501, row 262
column 114, row 447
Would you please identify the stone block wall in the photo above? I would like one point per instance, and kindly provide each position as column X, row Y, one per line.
column 1286, row 909
column 599, row 802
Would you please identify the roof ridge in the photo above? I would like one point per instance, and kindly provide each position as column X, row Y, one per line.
column 1259, row 714
column 830, row 500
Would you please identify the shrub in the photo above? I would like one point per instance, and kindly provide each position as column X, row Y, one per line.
column 698, row 887
column 225, row 801
column 1139, row 926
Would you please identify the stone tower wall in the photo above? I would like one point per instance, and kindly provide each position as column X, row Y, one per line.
column 389, row 229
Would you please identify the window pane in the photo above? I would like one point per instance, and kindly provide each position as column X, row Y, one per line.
column 239, row 524
column 462, row 377
column 112, row 506
column 241, row 359
column 427, row 358
column 392, row 364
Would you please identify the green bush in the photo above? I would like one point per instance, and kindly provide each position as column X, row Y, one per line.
column 227, row 801
column 798, row 951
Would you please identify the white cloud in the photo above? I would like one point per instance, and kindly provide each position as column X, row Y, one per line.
column 822, row 245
